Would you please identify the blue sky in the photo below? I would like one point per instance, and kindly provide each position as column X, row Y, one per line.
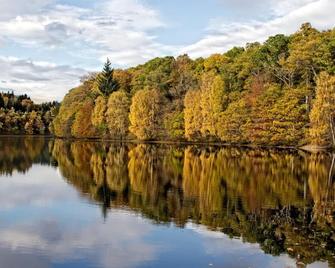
column 46, row 45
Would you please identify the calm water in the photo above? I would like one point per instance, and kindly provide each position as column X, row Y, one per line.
column 85, row 204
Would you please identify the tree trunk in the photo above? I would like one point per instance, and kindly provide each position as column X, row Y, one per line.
column 332, row 130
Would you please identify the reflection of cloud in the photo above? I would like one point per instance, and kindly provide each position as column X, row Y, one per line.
column 218, row 237
column 117, row 242
column 44, row 238
column 240, row 254
column 12, row 259
column 32, row 188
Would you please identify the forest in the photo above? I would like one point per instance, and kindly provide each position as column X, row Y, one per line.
column 20, row 115
column 278, row 93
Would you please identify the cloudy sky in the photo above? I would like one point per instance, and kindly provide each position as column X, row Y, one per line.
column 46, row 45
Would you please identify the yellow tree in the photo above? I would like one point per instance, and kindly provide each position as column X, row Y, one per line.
column 82, row 126
column 117, row 115
column 98, row 115
column 145, row 114
column 70, row 105
column 213, row 103
column 34, row 124
column 322, row 116
column 289, row 117
column 307, row 55
column 233, row 121
column 193, row 114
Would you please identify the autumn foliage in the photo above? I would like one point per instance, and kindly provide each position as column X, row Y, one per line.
column 280, row 92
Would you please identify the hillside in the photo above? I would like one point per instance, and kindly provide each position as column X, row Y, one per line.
column 281, row 92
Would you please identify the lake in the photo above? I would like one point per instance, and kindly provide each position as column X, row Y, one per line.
column 93, row 204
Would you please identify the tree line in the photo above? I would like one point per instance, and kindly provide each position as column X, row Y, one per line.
column 281, row 92
column 20, row 115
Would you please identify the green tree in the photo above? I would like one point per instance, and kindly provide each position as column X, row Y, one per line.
column 155, row 73
column 175, row 125
column 106, row 82
column 2, row 102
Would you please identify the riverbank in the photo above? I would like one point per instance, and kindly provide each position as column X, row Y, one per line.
column 308, row 148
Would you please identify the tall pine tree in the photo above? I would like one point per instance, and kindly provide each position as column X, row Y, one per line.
column 2, row 102
column 107, row 83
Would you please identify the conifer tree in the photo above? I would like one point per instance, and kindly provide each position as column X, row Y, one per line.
column 106, row 82
column 2, row 103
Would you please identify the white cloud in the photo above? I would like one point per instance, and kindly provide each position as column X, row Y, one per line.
column 223, row 36
column 272, row 7
column 41, row 80
column 283, row 7
column 118, row 29
column 111, row 28
column 15, row 8
column 126, row 31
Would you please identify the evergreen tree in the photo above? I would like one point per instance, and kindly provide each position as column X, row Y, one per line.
column 2, row 103
column 106, row 82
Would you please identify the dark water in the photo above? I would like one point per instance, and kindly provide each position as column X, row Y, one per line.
column 85, row 204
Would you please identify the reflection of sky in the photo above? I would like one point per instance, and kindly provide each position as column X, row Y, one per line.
column 45, row 223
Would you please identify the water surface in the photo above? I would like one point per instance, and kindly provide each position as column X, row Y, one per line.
column 91, row 204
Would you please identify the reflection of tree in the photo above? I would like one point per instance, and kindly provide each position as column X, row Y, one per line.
column 282, row 200
column 322, row 187
column 18, row 154
column 116, row 169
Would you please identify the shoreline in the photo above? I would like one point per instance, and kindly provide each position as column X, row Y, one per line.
column 306, row 148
